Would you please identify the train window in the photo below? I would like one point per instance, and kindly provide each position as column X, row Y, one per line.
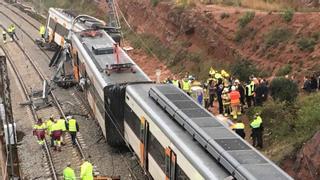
column 171, row 162
column 132, row 120
column 156, row 151
column 52, row 24
column 180, row 174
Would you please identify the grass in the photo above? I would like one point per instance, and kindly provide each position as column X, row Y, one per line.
column 154, row 3
column 243, row 33
column 246, row 19
column 276, row 36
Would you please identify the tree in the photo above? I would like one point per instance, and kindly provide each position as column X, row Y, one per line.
column 283, row 89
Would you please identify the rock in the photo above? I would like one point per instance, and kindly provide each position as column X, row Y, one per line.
column 307, row 163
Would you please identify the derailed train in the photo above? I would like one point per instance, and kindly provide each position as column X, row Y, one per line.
column 173, row 136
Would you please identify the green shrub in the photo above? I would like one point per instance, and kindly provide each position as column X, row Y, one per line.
column 231, row 2
column 306, row 44
column 246, row 19
column 244, row 33
column 243, row 68
column 154, row 2
column 224, row 15
column 283, row 89
column 284, row 70
column 276, row 36
column 288, row 15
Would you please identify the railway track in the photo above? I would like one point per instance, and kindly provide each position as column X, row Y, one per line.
column 26, row 22
column 29, row 77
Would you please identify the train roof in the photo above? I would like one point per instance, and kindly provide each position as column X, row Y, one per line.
column 191, row 149
column 182, row 119
column 89, row 47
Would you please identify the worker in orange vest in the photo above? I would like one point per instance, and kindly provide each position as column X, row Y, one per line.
column 235, row 102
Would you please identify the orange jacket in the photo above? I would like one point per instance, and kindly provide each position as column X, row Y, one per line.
column 234, row 97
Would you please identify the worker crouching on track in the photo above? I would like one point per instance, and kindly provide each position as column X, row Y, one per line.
column 86, row 170
column 73, row 128
column 56, row 135
column 68, row 173
column 39, row 131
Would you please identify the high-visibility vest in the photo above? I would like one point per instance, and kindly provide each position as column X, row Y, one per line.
column 186, row 85
column 68, row 174
column 256, row 123
column 42, row 30
column 40, row 127
column 49, row 124
column 239, row 126
column 175, row 83
column 86, row 171
column 62, row 124
column 217, row 76
column 250, row 89
column 55, row 127
column 72, row 124
column 234, row 97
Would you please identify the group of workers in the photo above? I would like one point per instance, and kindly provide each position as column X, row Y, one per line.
column 56, row 129
column 232, row 96
column 11, row 30
column 86, row 171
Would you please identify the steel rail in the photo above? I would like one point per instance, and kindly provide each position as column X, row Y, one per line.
column 34, row 113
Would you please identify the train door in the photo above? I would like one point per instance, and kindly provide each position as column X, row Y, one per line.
column 144, row 136
column 171, row 163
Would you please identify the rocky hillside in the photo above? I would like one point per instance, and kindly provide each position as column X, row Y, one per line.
column 222, row 35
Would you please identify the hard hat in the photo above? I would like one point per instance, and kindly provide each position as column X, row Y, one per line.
column 225, row 90
column 226, row 75
column 69, row 117
column 233, row 88
column 217, row 76
column 212, row 71
column 237, row 81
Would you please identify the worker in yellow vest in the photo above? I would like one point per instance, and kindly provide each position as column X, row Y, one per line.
column 12, row 32
column 63, row 127
column 86, row 170
column 175, row 82
column 68, row 173
column 186, row 85
column 49, row 124
column 73, row 128
column 42, row 31
column 39, row 131
column 56, row 135
column 239, row 128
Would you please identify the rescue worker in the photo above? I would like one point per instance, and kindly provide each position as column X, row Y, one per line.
column 257, row 129
column 239, row 128
column 211, row 90
column 186, row 85
column 42, row 31
column 197, row 92
column 4, row 36
column 62, row 124
column 219, row 90
column 56, row 135
column 206, row 95
column 241, row 90
column 12, row 32
column 86, row 170
column 175, row 82
column 49, row 124
column 234, row 96
column 225, row 101
column 73, row 128
column 68, row 173
column 39, row 130
column 250, row 93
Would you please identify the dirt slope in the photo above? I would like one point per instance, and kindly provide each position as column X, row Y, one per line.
column 205, row 32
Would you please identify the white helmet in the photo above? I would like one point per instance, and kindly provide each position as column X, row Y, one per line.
column 233, row 88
